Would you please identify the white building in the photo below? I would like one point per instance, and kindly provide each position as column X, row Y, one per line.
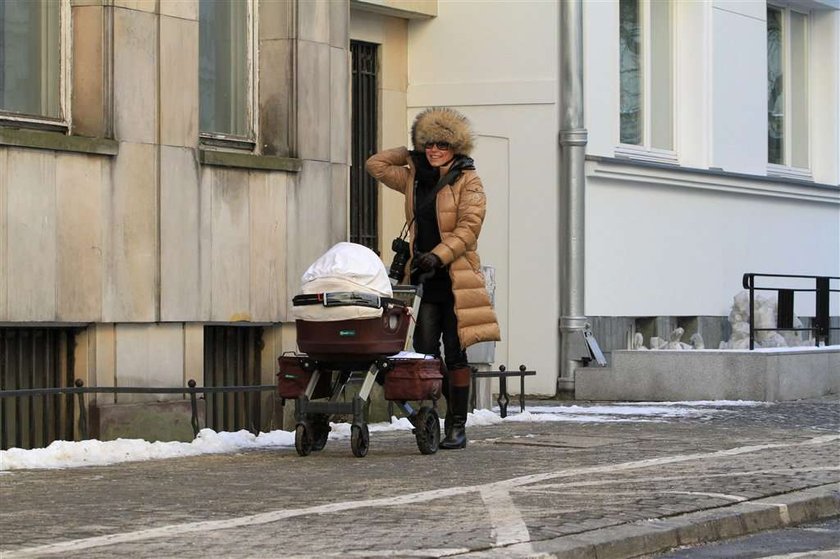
column 691, row 180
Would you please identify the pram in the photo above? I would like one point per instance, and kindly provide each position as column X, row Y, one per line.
column 339, row 351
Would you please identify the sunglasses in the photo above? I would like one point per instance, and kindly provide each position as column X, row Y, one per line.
column 443, row 146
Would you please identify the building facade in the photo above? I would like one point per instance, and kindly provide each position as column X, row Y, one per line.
column 713, row 150
column 168, row 169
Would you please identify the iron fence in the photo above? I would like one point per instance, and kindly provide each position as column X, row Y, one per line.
column 821, row 327
column 79, row 389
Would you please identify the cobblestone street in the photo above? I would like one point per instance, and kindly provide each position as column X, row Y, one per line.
column 519, row 489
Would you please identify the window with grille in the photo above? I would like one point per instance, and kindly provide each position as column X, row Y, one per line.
column 364, row 228
column 232, row 358
column 36, row 358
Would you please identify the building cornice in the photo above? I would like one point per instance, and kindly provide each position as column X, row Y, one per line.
column 631, row 171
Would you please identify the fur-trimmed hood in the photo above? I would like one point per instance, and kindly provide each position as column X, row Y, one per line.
column 443, row 125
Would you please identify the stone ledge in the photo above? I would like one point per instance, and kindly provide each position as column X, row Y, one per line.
column 248, row 161
column 761, row 375
column 57, row 141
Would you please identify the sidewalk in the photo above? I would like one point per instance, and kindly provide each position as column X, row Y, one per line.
column 520, row 489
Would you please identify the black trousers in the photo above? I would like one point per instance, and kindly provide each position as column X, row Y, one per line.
column 436, row 320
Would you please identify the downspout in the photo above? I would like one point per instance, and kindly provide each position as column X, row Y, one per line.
column 572, row 140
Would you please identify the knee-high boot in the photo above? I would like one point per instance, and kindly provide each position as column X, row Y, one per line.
column 457, row 404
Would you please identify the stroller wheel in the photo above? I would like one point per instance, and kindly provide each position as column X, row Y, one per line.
column 321, row 430
column 427, row 430
column 359, row 440
column 303, row 440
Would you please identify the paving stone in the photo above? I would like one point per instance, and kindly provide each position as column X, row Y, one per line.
column 589, row 489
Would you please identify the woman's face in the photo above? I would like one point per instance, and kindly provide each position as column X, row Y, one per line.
column 439, row 153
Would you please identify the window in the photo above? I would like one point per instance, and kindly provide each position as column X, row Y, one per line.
column 787, row 88
column 225, row 80
column 646, row 75
column 363, row 189
column 31, row 54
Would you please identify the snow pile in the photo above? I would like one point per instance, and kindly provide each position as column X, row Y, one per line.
column 64, row 454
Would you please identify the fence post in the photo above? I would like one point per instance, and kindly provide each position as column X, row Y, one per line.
column 194, row 406
column 822, row 319
column 83, row 428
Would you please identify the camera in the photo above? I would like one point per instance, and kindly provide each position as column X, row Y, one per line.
column 402, row 252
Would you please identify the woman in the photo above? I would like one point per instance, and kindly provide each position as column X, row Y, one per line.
column 444, row 211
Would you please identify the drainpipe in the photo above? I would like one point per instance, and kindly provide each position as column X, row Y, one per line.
column 572, row 152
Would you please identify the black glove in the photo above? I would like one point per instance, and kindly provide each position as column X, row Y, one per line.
column 428, row 261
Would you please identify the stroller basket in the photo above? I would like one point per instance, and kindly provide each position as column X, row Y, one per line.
column 354, row 338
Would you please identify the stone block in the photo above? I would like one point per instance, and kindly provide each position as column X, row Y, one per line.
column 184, row 9
column 79, row 227
column 276, row 101
column 277, row 20
column 149, row 355
column 340, row 24
column 151, row 421
column 267, row 251
column 339, row 200
column 229, row 252
column 30, row 218
column 309, row 202
column 89, row 92
column 313, row 98
column 179, row 89
column 149, row 6
column 130, row 290
column 135, row 76
column 340, row 106
column 314, row 21
column 180, row 241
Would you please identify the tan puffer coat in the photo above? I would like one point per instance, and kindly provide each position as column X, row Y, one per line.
column 460, row 214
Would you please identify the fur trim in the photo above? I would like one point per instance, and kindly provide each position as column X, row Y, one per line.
column 443, row 125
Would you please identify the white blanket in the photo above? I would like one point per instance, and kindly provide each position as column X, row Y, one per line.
column 345, row 267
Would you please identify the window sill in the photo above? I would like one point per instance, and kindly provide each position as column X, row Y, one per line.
column 57, row 141
column 650, row 155
column 248, row 161
column 786, row 172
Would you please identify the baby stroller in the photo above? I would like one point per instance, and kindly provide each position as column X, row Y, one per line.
column 366, row 348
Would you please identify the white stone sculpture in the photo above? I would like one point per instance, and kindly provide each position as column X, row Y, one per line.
column 766, row 311
column 696, row 341
column 638, row 341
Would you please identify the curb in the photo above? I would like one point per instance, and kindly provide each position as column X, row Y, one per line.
column 662, row 534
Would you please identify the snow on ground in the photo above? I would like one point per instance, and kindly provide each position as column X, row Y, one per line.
column 66, row 454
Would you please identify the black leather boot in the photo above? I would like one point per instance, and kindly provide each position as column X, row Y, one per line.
column 447, row 421
column 457, row 404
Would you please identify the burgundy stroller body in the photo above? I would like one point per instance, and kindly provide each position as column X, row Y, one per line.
column 338, row 352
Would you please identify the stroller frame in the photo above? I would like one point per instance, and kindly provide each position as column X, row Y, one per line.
column 312, row 414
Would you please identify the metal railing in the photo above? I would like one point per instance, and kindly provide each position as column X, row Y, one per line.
column 821, row 327
column 80, row 390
